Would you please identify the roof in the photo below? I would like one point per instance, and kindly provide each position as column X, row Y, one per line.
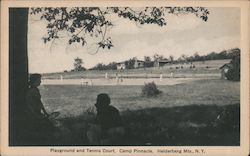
column 128, row 60
column 225, row 65
column 164, row 61
column 120, row 62
column 140, row 61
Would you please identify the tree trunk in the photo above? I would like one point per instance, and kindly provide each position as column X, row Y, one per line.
column 18, row 74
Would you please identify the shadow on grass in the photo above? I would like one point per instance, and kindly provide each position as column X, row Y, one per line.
column 195, row 125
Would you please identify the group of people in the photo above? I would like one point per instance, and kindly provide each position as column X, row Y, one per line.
column 106, row 129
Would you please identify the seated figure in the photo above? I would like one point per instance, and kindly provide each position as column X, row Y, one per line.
column 108, row 129
column 40, row 127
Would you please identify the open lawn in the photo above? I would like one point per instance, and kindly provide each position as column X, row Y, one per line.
column 72, row 100
column 204, row 112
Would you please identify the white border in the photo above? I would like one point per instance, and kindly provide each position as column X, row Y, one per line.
column 243, row 149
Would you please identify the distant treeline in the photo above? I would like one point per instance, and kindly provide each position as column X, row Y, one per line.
column 225, row 54
column 149, row 61
column 101, row 66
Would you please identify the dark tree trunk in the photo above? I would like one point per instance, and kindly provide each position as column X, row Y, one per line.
column 18, row 74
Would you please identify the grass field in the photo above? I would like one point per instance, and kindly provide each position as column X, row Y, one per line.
column 204, row 112
column 75, row 99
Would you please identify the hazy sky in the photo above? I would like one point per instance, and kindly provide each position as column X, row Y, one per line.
column 184, row 34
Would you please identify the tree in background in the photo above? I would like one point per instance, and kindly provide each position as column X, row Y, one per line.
column 225, row 54
column 78, row 64
column 171, row 58
column 183, row 58
column 147, row 58
column 112, row 66
column 211, row 56
column 148, row 62
column 232, row 53
column 158, row 57
column 130, row 64
column 197, row 57
column 101, row 66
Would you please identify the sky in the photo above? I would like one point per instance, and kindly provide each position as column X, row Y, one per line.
column 183, row 34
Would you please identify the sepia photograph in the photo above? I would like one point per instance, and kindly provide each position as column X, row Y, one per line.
column 125, row 76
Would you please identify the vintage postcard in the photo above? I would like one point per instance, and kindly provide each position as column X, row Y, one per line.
column 124, row 78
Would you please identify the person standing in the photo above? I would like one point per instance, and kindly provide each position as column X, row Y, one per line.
column 161, row 77
column 117, row 78
column 106, row 75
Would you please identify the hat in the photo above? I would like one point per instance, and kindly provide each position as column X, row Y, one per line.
column 102, row 100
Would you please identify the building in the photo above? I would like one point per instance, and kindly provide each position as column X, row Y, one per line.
column 133, row 64
column 224, row 69
column 121, row 65
column 139, row 64
column 160, row 63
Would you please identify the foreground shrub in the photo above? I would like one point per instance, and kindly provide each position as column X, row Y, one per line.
column 150, row 89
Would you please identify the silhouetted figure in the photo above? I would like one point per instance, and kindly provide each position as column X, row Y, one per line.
column 108, row 125
column 40, row 126
column 33, row 97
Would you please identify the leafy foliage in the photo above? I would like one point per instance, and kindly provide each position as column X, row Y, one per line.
column 158, row 57
column 101, row 66
column 83, row 22
column 233, row 73
column 171, row 58
column 150, row 89
column 78, row 64
column 148, row 61
column 130, row 63
column 225, row 54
